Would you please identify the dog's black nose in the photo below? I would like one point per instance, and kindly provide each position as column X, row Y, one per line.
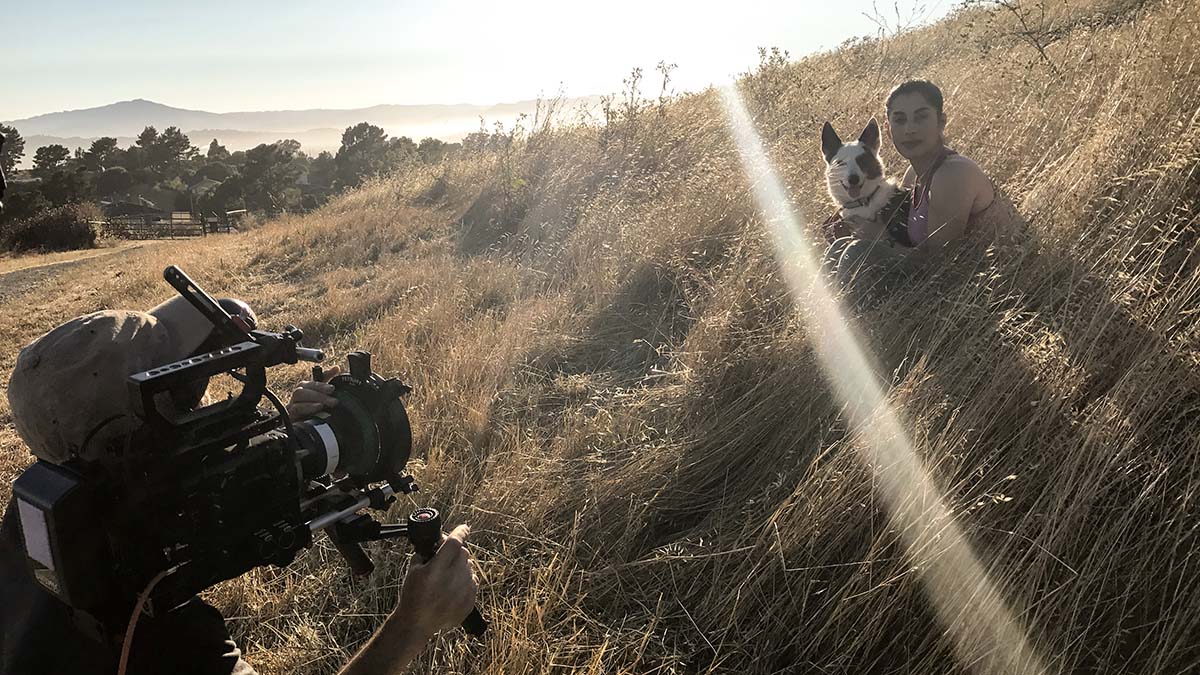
column 853, row 179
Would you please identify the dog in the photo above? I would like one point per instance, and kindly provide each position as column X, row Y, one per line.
column 871, row 204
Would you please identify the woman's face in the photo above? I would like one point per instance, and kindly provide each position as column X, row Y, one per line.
column 914, row 125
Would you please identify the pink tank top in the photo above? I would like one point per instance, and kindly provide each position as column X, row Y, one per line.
column 918, row 212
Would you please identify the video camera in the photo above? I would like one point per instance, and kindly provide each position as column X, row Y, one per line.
column 202, row 496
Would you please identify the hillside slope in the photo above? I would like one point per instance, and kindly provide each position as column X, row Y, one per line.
column 614, row 387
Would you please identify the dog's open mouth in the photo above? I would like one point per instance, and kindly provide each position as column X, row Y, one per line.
column 853, row 190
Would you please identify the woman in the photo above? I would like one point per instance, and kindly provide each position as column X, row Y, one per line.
column 950, row 196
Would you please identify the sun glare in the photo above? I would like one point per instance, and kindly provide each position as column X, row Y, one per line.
column 987, row 636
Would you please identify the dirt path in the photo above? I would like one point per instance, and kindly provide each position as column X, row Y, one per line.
column 22, row 262
column 22, row 280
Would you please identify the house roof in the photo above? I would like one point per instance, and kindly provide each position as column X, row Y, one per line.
column 123, row 208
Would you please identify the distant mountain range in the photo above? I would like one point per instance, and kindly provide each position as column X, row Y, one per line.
column 318, row 129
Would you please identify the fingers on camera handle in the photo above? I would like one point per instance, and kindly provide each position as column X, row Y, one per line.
column 474, row 624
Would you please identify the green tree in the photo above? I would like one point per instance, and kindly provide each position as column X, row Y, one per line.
column 100, row 153
column 141, row 155
column 132, row 158
column 147, row 139
column 66, row 186
column 13, row 150
column 217, row 152
column 24, row 205
column 364, row 153
column 172, row 149
column 113, row 181
column 168, row 150
column 432, row 150
column 269, row 176
column 227, row 196
column 48, row 158
column 401, row 150
column 174, row 195
column 322, row 170
column 143, row 177
column 301, row 158
column 217, row 171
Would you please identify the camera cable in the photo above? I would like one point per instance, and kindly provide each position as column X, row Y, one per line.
column 137, row 612
column 127, row 644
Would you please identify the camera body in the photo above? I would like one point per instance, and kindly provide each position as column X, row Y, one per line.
column 193, row 498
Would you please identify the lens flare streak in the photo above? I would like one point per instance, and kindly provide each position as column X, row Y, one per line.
column 987, row 636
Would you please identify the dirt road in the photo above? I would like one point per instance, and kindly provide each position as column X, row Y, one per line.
column 26, row 279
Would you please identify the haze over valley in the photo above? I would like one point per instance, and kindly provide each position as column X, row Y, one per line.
column 316, row 129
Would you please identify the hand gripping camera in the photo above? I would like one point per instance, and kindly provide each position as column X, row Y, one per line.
column 203, row 496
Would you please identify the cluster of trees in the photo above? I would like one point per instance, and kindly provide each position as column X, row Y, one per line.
column 270, row 178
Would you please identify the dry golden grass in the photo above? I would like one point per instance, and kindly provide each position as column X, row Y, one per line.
column 613, row 387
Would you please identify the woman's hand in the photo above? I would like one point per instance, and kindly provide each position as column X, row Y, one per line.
column 310, row 398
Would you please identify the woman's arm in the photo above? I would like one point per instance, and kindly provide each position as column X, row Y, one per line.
column 951, row 195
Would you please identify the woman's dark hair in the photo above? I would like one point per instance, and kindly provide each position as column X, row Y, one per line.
column 928, row 90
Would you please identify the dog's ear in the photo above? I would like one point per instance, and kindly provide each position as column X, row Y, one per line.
column 870, row 135
column 830, row 143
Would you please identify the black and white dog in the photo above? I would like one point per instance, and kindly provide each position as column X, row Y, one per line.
column 854, row 176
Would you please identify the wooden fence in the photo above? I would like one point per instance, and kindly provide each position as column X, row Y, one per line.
column 180, row 224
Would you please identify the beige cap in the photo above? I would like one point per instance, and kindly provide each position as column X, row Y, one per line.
column 68, row 382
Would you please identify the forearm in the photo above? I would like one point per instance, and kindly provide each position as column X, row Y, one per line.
column 390, row 650
column 436, row 595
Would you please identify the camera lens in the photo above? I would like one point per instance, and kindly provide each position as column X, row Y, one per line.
column 367, row 436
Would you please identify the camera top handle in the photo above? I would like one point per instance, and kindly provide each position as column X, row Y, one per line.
column 205, row 304
column 254, row 350
column 227, row 325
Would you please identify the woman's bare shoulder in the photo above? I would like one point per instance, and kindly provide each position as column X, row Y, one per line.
column 959, row 173
column 963, row 167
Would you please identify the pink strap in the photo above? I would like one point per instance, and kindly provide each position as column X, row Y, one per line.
column 918, row 212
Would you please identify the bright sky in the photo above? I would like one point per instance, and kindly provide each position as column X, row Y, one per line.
column 223, row 56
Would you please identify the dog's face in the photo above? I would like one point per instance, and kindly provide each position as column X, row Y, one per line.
column 852, row 169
